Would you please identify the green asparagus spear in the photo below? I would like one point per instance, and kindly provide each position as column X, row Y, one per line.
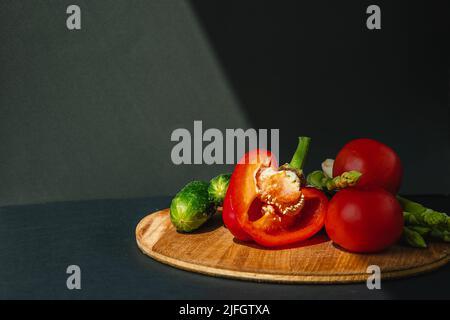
column 317, row 179
column 423, row 231
column 413, row 238
column 320, row 180
column 424, row 222
column 443, row 235
column 416, row 214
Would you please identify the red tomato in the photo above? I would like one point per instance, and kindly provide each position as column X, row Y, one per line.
column 379, row 164
column 364, row 220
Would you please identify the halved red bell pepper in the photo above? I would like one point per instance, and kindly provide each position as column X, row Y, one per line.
column 268, row 204
column 241, row 189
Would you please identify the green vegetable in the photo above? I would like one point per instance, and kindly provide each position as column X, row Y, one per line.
column 423, row 231
column 413, row 238
column 423, row 221
column 299, row 157
column 416, row 214
column 218, row 188
column 191, row 207
column 440, row 234
column 317, row 179
column 320, row 180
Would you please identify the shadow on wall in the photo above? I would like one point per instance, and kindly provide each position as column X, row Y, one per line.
column 88, row 114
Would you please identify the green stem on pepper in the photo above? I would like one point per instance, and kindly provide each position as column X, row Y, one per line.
column 298, row 160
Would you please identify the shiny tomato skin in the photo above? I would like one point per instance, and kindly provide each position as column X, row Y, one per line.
column 364, row 220
column 379, row 164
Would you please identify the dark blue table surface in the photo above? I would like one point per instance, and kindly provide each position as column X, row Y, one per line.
column 38, row 242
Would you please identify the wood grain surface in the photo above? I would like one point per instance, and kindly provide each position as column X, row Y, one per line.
column 213, row 251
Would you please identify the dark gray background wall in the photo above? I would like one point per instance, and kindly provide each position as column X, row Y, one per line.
column 88, row 114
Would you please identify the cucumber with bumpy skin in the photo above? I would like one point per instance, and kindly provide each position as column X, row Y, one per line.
column 218, row 187
column 191, row 207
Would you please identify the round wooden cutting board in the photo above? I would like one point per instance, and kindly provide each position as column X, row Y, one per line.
column 213, row 251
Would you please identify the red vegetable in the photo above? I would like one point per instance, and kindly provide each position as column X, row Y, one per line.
column 269, row 205
column 242, row 191
column 379, row 164
column 364, row 220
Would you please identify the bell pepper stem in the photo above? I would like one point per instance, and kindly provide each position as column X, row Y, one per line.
column 298, row 160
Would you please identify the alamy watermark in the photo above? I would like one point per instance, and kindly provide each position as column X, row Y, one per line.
column 74, row 280
column 73, row 21
column 374, row 280
column 220, row 148
column 373, row 21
